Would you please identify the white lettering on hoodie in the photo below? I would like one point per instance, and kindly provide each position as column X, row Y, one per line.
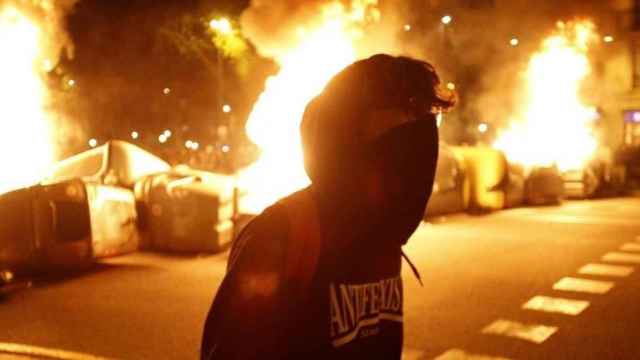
column 356, row 306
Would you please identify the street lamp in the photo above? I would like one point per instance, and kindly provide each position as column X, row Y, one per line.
column 514, row 41
column 608, row 39
column 407, row 27
column 134, row 135
column 446, row 20
column 226, row 108
column 93, row 143
column 482, row 128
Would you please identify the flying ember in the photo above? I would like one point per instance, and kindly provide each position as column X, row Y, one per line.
column 274, row 122
column 26, row 151
column 554, row 127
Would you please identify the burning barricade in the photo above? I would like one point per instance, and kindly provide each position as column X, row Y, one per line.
column 554, row 129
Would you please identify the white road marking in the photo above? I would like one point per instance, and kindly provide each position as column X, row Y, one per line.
column 42, row 352
column 534, row 333
column 633, row 247
column 412, row 354
column 606, row 270
column 620, row 257
column 583, row 285
column 556, row 305
column 457, row 354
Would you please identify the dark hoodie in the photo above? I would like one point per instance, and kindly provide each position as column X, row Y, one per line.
column 370, row 192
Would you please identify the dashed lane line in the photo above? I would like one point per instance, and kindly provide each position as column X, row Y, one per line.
column 556, row 305
column 606, row 270
column 535, row 333
column 19, row 350
column 632, row 247
column 583, row 285
column 620, row 257
column 457, row 354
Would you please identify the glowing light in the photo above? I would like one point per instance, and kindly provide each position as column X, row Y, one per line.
column 167, row 133
column 23, row 95
column 608, row 38
column 554, row 126
column 47, row 65
column 407, row 27
column 221, row 25
column 188, row 144
column 195, row 145
column 274, row 122
column 166, row 91
column 439, row 119
column 135, row 135
column 71, row 83
column 93, row 143
column 162, row 139
column 482, row 128
column 514, row 42
column 225, row 148
column 226, row 108
column 451, row 86
column 447, row 19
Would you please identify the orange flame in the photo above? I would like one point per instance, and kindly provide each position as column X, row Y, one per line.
column 274, row 122
column 26, row 150
column 555, row 127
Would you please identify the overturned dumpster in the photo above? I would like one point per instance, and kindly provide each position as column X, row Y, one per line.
column 186, row 210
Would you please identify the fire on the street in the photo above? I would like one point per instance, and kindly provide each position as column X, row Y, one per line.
column 26, row 151
column 555, row 126
column 274, row 122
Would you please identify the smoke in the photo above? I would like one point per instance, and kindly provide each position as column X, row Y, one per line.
column 277, row 26
column 473, row 52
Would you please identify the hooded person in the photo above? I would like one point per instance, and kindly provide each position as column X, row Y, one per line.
column 317, row 275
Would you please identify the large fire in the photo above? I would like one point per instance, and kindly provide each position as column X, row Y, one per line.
column 26, row 151
column 274, row 122
column 555, row 126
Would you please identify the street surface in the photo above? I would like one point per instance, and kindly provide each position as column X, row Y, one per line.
column 531, row 283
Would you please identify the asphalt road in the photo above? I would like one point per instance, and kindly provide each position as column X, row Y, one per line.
column 505, row 285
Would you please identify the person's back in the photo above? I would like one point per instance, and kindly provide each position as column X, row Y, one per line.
column 317, row 275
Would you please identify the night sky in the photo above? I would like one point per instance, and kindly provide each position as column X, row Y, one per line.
column 124, row 61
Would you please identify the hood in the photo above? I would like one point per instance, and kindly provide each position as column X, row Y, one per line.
column 370, row 145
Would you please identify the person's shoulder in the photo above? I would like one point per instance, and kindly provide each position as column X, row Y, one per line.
column 263, row 239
